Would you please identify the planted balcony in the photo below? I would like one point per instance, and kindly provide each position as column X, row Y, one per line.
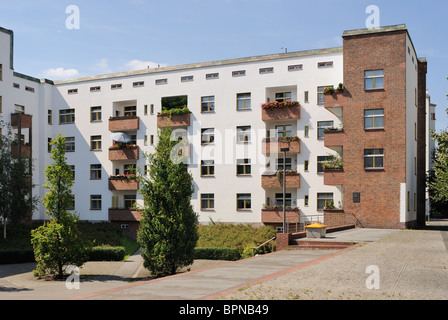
column 275, row 110
column 333, row 171
column 274, row 145
column 274, row 214
column 127, row 182
column 124, row 152
column 334, row 138
column 125, row 123
column 275, row 180
column 175, row 112
column 336, row 99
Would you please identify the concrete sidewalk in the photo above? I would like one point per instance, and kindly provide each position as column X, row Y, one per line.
column 406, row 259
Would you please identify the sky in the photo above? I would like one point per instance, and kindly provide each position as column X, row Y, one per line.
column 124, row 35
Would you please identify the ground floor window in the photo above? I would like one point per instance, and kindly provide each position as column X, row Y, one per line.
column 207, row 201
column 243, row 201
column 324, row 200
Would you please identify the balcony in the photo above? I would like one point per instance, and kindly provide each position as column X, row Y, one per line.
column 274, row 146
column 275, row 180
column 25, row 151
column 123, row 183
column 335, row 102
column 280, row 111
column 335, row 139
column 124, row 215
column 173, row 120
column 126, row 123
column 124, row 153
column 274, row 214
column 334, row 176
column 24, row 120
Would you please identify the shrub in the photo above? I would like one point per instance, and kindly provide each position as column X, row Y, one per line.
column 12, row 256
column 105, row 253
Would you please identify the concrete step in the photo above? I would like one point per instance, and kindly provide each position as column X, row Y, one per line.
column 319, row 245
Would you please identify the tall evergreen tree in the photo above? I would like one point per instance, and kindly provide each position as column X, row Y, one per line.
column 168, row 230
column 57, row 244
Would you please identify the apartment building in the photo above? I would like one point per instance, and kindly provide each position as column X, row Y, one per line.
column 351, row 149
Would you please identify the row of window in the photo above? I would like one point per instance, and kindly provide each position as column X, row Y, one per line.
column 208, row 76
column 244, row 201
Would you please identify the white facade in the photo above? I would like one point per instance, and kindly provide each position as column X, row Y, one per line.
column 225, row 184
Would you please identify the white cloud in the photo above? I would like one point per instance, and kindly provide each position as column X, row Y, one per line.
column 135, row 65
column 60, row 73
column 102, row 67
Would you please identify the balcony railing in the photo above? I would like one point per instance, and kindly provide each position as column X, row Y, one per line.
column 126, row 123
column 124, row 215
column 334, row 139
column 123, row 183
column 275, row 180
column 334, row 176
column 124, row 153
column 173, row 120
column 287, row 110
column 25, row 151
column 274, row 215
column 24, row 120
column 335, row 102
column 275, row 145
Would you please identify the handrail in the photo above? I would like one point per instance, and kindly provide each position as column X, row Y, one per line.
column 261, row 245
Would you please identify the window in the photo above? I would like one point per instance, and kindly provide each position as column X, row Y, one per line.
column 95, row 89
column 50, row 117
column 1, row 104
column 49, row 145
column 374, row 119
column 186, row 79
column 95, row 202
column 72, row 168
column 239, row 73
column 151, row 109
column 129, row 201
column 306, row 131
column 1, row 72
column 19, row 109
column 320, row 94
column 243, row 134
column 296, row 67
column 327, row 64
column 66, row 116
column 145, row 110
column 288, row 164
column 283, row 96
column 208, row 104
column 145, row 140
column 130, row 111
column 29, row 89
column 207, row 201
column 243, row 201
column 320, row 161
column 306, row 200
column 207, row 136
column 151, row 140
column 207, row 168
column 374, row 158
column 161, row 81
column 321, row 126
column 95, row 172
column 243, row 101
column 283, row 131
column 266, row 70
column 95, row 114
column 70, row 144
column 374, row 79
column 306, row 97
column 138, row 84
column 95, row 143
column 306, row 165
column 243, row 167
column 116, row 86
column 324, row 200
column 72, row 91
column 279, row 199
column 16, row 85
column 212, row 76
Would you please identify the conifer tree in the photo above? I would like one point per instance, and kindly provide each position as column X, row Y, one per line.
column 168, row 230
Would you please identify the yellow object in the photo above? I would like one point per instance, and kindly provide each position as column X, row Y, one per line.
column 316, row 226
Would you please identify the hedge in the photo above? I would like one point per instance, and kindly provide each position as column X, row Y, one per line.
column 228, row 254
column 12, row 256
column 104, row 253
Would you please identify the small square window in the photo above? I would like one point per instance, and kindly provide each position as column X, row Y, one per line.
column 374, row 79
column 243, row 201
column 207, row 201
column 374, row 158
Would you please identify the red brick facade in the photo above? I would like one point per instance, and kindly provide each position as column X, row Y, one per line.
column 379, row 205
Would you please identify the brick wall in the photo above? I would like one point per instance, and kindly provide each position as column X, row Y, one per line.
column 380, row 189
column 421, row 144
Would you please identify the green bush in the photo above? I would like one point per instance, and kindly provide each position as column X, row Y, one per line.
column 105, row 253
column 227, row 254
column 12, row 256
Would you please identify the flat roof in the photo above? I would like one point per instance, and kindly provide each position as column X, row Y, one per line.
column 365, row 31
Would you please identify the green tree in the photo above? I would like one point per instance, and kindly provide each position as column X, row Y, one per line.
column 58, row 244
column 168, row 230
column 16, row 200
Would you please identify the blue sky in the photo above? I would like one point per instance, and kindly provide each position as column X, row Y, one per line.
column 123, row 35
